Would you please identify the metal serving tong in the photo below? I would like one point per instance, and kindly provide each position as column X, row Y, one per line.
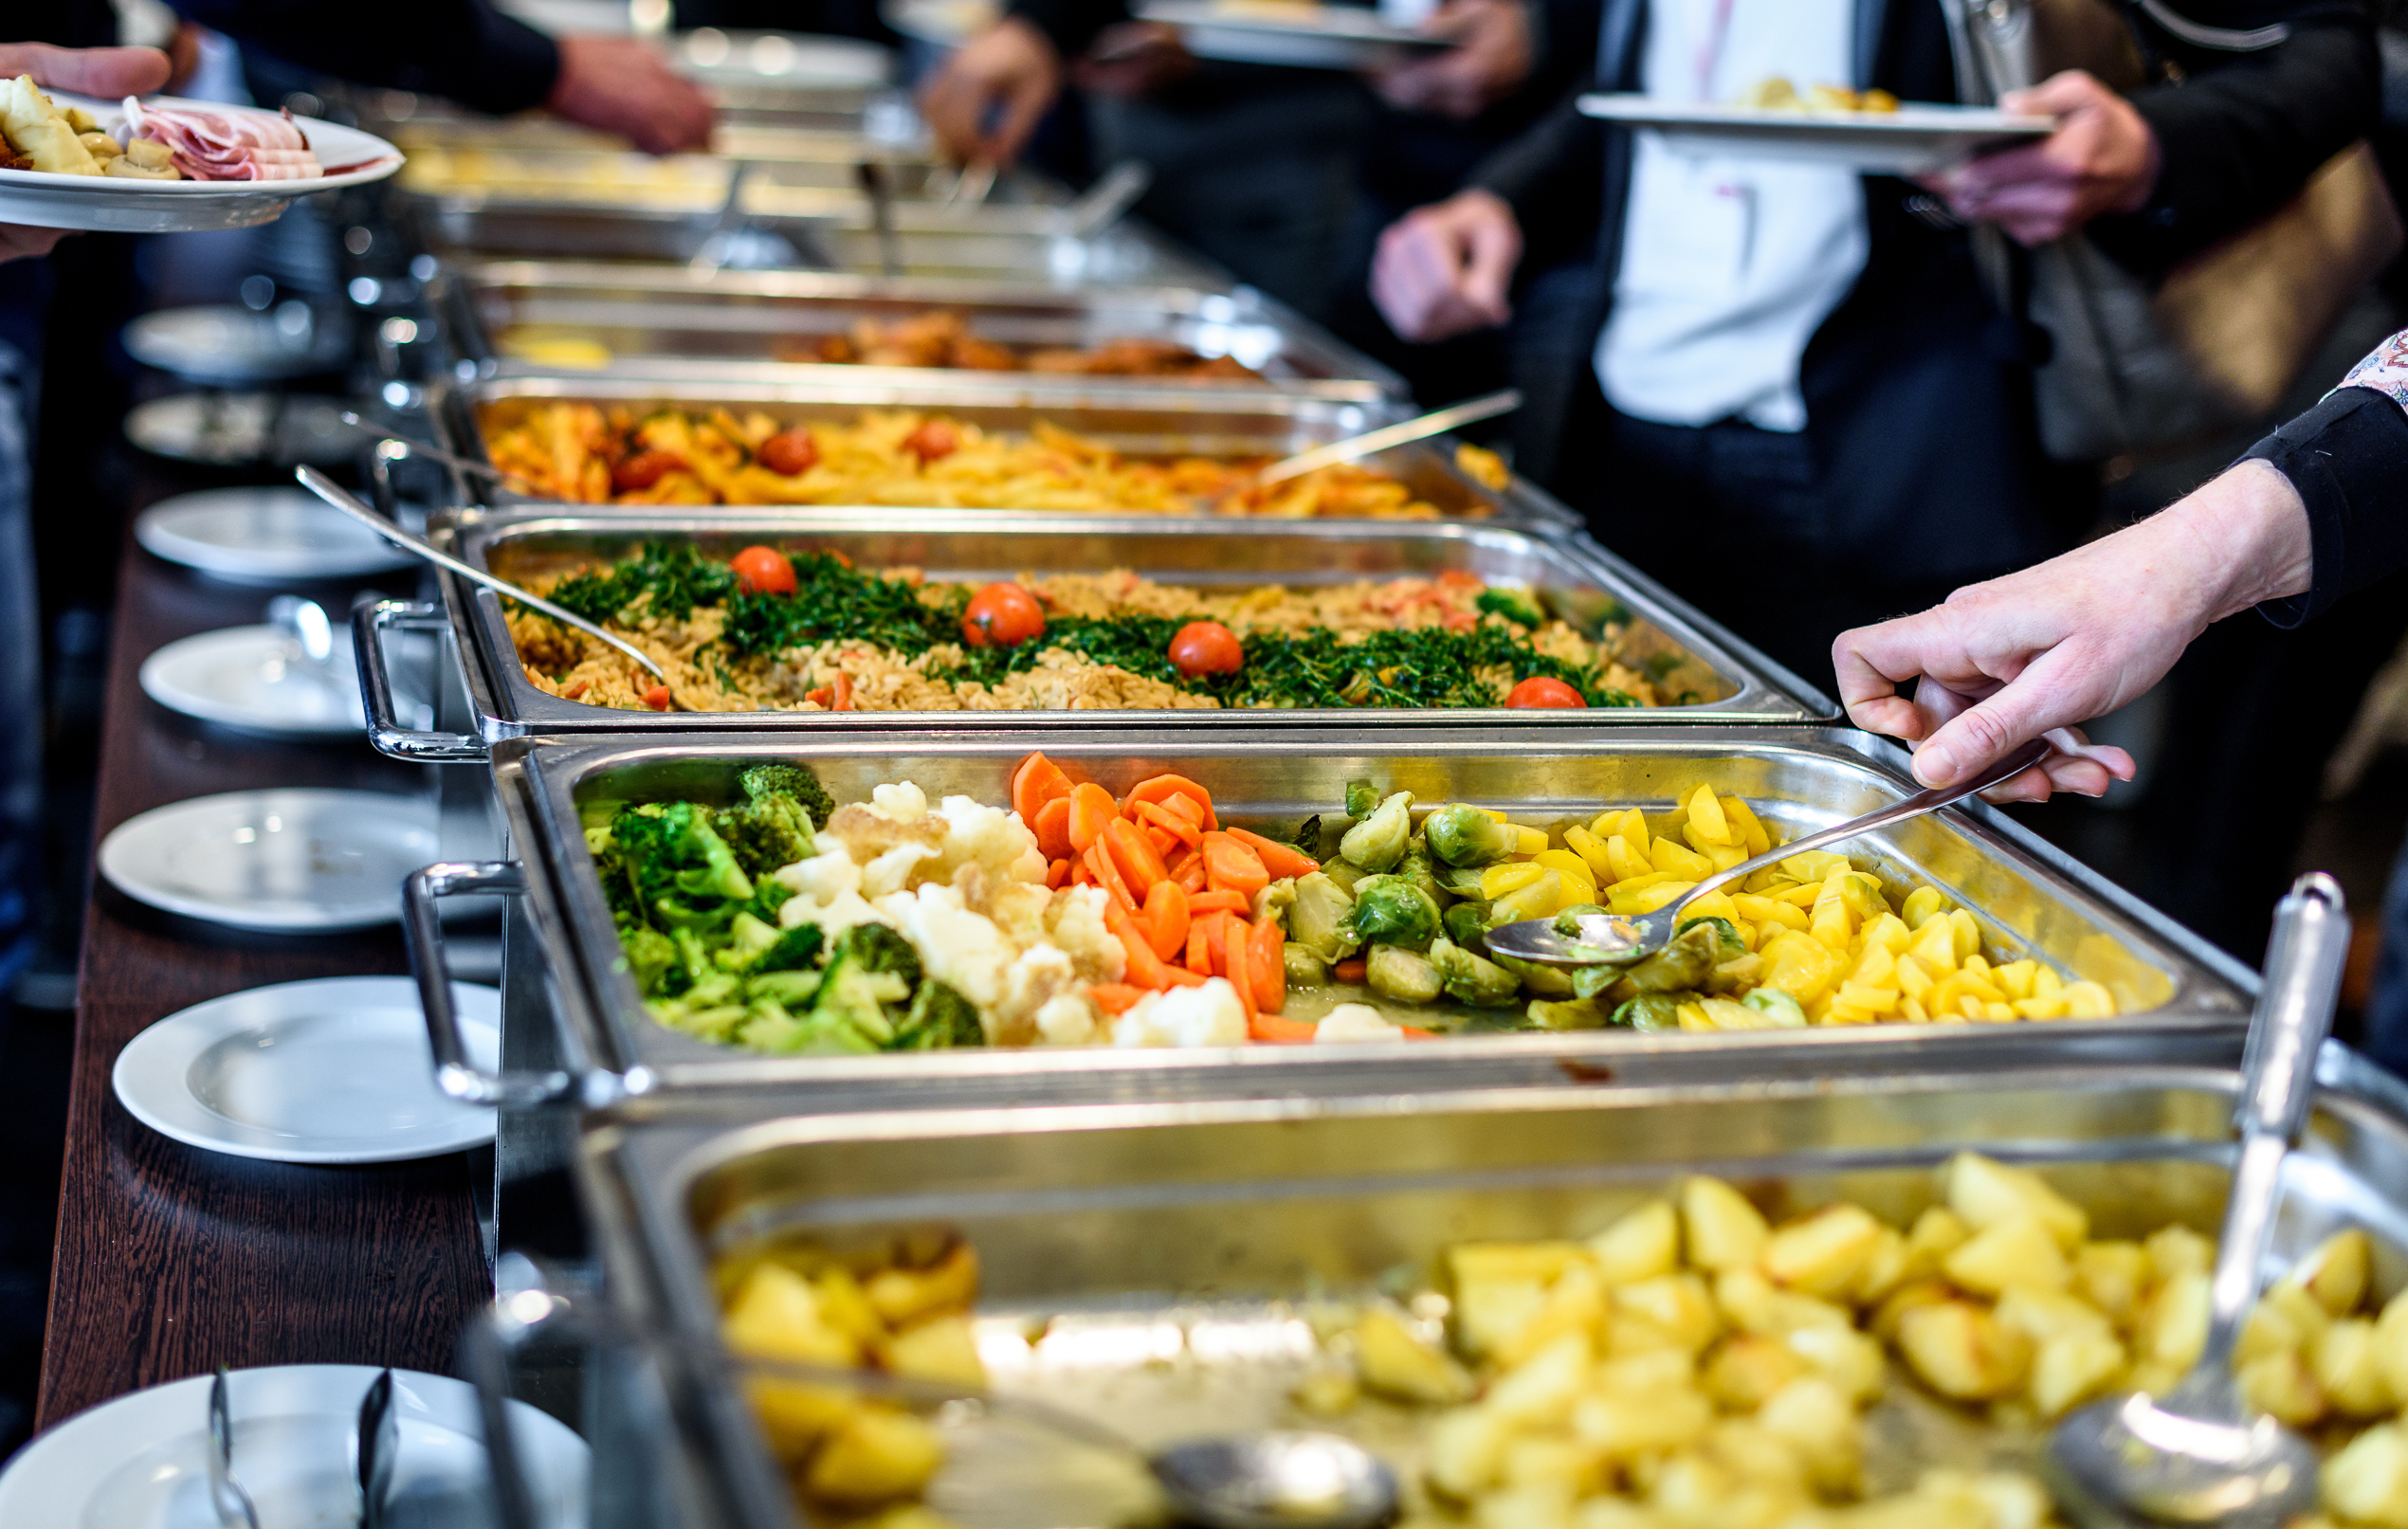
column 342, row 499
column 1437, row 422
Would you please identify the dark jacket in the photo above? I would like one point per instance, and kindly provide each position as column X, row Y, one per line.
column 1918, row 392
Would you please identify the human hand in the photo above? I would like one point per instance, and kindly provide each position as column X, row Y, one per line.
column 1444, row 269
column 108, row 72
column 623, row 86
column 1132, row 59
column 2102, row 158
column 2073, row 638
column 1009, row 71
column 1491, row 57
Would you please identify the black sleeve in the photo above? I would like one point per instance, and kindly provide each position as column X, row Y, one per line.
column 2349, row 458
column 465, row 51
column 1070, row 25
column 1552, row 176
column 2242, row 134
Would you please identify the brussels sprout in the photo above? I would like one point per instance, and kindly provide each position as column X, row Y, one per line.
column 1567, row 922
column 1537, row 901
column 1463, row 835
column 1394, row 972
column 1345, row 874
column 1321, row 918
column 1545, row 981
column 1378, row 843
column 1727, row 945
column 1456, row 881
column 1861, row 895
column 1570, row 1014
column 1362, row 798
column 1465, row 922
column 1415, row 868
column 1390, row 910
column 1469, row 980
column 1304, row 967
column 1274, row 899
column 1782, row 1008
column 1651, row 1012
column 1737, row 974
column 1683, row 963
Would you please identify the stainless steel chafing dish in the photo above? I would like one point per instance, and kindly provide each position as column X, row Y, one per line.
column 635, row 315
column 2174, row 989
column 1725, row 680
column 1173, row 1248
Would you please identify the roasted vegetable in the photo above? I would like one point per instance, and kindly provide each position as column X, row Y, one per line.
column 1469, row 980
column 773, row 828
column 1394, row 972
column 1650, row 1011
column 1568, row 1015
column 1378, row 843
column 1461, row 835
column 1465, row 922
column 1321, row 918
column 1390, row 910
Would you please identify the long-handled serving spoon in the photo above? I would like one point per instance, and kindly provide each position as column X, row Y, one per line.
column 1437, row 422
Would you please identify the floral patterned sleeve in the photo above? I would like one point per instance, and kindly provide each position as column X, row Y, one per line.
column 2348, row 459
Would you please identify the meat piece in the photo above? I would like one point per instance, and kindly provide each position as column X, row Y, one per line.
column 224, row 145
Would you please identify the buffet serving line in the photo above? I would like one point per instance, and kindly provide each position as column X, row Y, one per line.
column 993, row 872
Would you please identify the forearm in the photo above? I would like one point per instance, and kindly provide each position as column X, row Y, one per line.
column 460, row 49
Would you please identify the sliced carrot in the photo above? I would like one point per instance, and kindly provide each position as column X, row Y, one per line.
column 1282, row 1031
column 1241, row 974
column 843, row 693
column 1266, row 958
column 1165, row 845
column 1181, row 804
column 1057, row 873
column 1351, row 970
column 1282, row 861
column 1091, row 808
column 1037, row 781
column 1179, row 978
column 1188, row 871
column 1202, row 903
column 1216, row 943
column 1053, row 828
column 1081, row 873
column 1230, row 867
column 1162, row 788
column 1414, row 1033
column 1108, row 876
column 1133, row 856
column 1145, row 969
column 1199, row 955
column 1115, row 998
column 1166, row 919
column 1185, row 831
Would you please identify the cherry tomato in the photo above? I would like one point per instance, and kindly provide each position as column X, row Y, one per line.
column 642, row 470
column 1541, row 691
column 1206, row 647
column 936, row 438
column 1002, row 615
column 763, row 570
column 788, row 452
column 657, row 698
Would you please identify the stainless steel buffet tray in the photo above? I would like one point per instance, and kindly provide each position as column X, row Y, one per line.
column 2178, row 992
column 1685, row 655
column 1173, row 1255
column 632, row 315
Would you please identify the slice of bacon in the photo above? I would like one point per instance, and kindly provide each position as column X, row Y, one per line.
column 225, row 145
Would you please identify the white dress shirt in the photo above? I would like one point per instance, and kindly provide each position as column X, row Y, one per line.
column 1729, row 265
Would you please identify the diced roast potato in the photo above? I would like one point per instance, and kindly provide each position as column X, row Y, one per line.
column 1639, row 1245
column 1393, row 1362
column 1964, row 1352
column 1724, row 1231
column 875, row 1454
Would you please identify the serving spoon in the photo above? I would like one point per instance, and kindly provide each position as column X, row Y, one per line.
column 1613, row 939
column 393, row 448
column 335, row 494
column 1437, row 422
column 2201, row 1454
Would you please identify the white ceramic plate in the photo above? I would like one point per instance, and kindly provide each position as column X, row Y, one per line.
column 227, row 428
column 279, row 860
column 793, row 59
column 265, row 537
column 331, row 1071
column 107, row 204
column 137, row 1462
column 1911, row 139
column 939, row 22
column 227, row 343
column 257, row 679
column 1327, row 37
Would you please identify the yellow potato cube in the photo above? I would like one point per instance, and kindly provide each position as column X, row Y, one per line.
column 1724, row 856
column 2368, row 1483
column 1802, row 967
column 1712, row 906
column 875, row 1454
column 2046, row 1314
column 1874, row 1001
column 1964, row 1352
column 1671, row 1310
column 1876, row 968
column 1469, row 1264
column 1571, row 867
column 1912, row 1011
column 1890, row 932
column 1915, row 979
column 1654, row 1370
column 1541, row 1386
column 1624, row 862
column 1533, row 839
column 1815, row 1418
column 1574, row 1304
column 1724, row 1231
column 2042, row 1008
column 1632, row 827
column 1838, row 1011
column 2071, row 1368
column 1884, row 1270
column 943, row 1348
column 1593, row 853
column 1706, row 817
column 1466, row 1450
column 1639, row 1245
column 2015, row 979
column 2346, row 1364
column 1626, row 1425
column 1983, row 1192
column 2266, row 1331
column 1831, row 925
column 1680, row 859
column 2111, row 1276
column 1648, row 900
column 1850, row 1361
column 1770, row 911
column 1537, row 1505
column 2303, row 1313
column 1815, row 865
column 2280, row 1383
column 1968, row 933
column 1998, row 1013
column 2391, row 1343
column 1512, row 876
column 2088, row 1000
column 845, row 1307
column 1393, row 1360
column 2017, row 1251
column 1935, row 946
column 903, row 1296
column 1923, row 905
column 2178, row 1250
column 1797, row 895
column 2337, row 1271
column 1768, row 1464
column 2173, row 1324
column 1490, row 1314
column 1912, row 1295
column 1821, row 1253
column 1746, row 1369
column 1743, row 819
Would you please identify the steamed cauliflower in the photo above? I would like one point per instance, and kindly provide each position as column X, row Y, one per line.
column 1208, row 1015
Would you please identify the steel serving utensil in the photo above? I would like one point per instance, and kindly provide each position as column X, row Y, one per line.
column 874, row 185
column 306, row 622
column 2201, row 1454
column 393, row 448
column 1437, row 422
column 376, row 1441
column 225, row 1495
column 333, row 493
column 1109, row 199
column 1611, row 939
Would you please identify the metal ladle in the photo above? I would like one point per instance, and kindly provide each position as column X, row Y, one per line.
column 335, row 494
column 1611, row 939
column 1437, row 422
column 2201, row 1454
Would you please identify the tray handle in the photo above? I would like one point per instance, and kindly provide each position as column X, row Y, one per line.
column 376, row 691
column 456, row 1073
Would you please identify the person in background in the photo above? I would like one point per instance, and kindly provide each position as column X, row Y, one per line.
column 1257, row 166
column 1783, row 389
column 2317, row 511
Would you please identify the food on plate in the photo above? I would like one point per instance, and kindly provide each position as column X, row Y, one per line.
column 785, row 924
column 209, row 143
column 1776, row 94
column 803, row 631
column 945, row 340
column 40, row 136
column 1692, row 1362
column 669, row 456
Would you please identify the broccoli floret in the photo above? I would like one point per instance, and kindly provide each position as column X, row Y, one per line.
column 768, row 833
column 879, row 949
column 748, row 938
column 868, row 983
column 653, row 962
column 794, row 989
column 766, row 780
column 796, row 950
column 683, row 873
column 1513, row 606
column 939, row 1018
